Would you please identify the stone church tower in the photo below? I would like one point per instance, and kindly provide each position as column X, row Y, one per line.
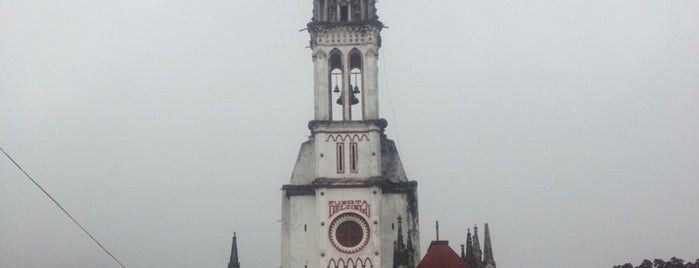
column 348, row 188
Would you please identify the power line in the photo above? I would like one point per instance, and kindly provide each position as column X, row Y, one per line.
column 390, row 103
column 63, row 209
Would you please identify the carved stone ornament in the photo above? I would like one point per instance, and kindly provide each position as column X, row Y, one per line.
column 319, row 54
column 371, row 53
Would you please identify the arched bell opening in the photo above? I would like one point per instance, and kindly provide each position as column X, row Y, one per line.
column 337, row 88
column 356, row 85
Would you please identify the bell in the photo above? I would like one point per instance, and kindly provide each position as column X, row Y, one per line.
column 355, row 90
column 337, row 89
column 339, row 100
column 354, row 100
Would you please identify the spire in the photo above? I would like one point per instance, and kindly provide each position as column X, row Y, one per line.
column 488, row 259
column 477, row 253
column 463, row 254
column 409, row 251
column 234, row 263
column 470, row 260
column 401, row 253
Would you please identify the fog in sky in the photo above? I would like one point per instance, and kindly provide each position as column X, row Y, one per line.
column 571, row 127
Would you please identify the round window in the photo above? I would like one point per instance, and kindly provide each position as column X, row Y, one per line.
column 349, row 232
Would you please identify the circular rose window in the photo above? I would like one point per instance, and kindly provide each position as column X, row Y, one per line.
column 349, row 233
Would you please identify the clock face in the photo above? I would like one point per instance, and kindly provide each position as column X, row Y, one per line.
column 349, row 233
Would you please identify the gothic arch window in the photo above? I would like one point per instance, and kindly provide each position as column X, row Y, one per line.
column 356, row 81
column 337, row 87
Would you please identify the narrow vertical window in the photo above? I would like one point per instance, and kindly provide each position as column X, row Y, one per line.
column 340, row 157
column 354, row 157
column 344, row 12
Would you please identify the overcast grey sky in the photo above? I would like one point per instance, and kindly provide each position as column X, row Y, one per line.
column 164, row 126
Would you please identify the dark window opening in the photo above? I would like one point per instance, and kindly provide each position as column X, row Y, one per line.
column 354, row 157
column 336, row 60
column 321, row 10
column 340, row 158
column 344, row 13
column 356, row 60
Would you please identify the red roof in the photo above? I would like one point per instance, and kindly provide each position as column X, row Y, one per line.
column 440, row 255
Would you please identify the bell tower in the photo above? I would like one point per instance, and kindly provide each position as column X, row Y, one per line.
column 348, row 188
column 345, row 39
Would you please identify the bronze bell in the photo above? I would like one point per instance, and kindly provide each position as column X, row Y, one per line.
column 339, row 99
column 354, row 100
column 355, row 90
column 337, row 89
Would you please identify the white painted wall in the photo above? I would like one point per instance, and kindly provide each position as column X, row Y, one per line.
column 311, row 247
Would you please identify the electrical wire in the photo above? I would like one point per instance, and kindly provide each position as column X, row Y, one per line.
column 390, row 103
column 62, row 209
